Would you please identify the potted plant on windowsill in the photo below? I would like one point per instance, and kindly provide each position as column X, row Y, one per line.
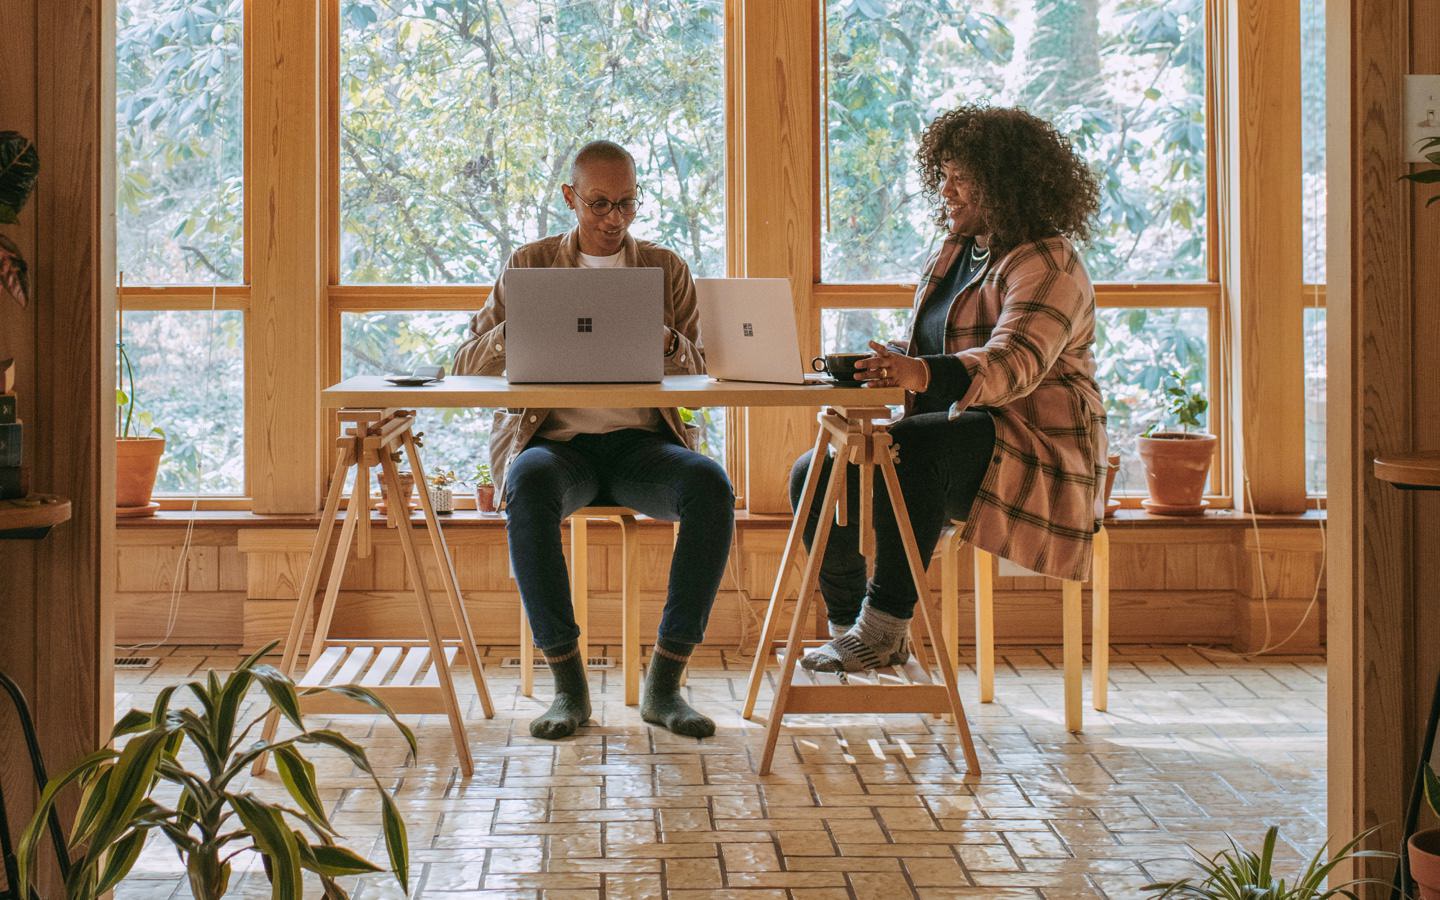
column 442, row 492
column 137, row 456
column 484, row 488
column 19, row 167
column 1177, row 463
column 209, row 813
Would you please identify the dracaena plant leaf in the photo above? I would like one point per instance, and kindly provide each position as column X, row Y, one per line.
column 19, row 164
column 14, row 273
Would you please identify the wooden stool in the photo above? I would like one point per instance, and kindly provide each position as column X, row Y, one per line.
column 860, row 436
column 1071, row 611
column 412, row 676
column 580, row 596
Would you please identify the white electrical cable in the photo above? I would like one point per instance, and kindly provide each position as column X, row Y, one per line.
column 177, row 578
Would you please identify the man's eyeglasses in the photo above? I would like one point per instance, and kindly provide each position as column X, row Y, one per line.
column 628, row 207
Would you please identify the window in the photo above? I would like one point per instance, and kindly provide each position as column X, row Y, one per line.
column 1137, row 351
column 187, row 375
column 179, row 75
column 1125, row 80
column 1313, row 195
column 458, row 122
column 179, row 89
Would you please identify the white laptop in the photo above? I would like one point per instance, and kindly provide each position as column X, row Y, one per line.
column 566, row 326
column 748, row 327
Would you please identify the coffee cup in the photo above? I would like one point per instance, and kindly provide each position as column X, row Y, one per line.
column 839, row 366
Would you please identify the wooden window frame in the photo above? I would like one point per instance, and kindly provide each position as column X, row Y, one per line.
column 292, row 59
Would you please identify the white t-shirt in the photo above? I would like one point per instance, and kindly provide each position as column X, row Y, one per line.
column 564, row 424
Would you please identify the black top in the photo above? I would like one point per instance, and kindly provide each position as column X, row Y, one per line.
column 948, row 379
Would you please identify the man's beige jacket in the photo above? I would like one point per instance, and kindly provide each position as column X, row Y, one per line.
column 483, row 352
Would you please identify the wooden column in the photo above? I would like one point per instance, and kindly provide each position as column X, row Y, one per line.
column 1259, row 207
column 1383, row 323
column 284, row 253
column 779, row 113
column 59, row 89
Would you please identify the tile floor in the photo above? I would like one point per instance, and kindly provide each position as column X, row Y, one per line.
column 1194, row 745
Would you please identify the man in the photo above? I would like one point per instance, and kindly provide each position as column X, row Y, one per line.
column 549, row 463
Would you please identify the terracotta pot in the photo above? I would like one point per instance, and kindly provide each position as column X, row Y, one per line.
column 1177, row 465
column 136, row 462
column 1424, row 852
column 485, row 497
column 407, row 488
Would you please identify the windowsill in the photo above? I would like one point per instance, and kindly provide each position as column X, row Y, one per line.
column 469, row 518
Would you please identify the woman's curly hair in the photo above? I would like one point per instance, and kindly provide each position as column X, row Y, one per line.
column 1031, row 182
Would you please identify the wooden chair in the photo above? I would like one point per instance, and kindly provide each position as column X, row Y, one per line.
column 580, row 596
column 1071, row 612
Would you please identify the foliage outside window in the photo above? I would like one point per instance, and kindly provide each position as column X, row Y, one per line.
column 459, row 119
column 1135, row 352
column 1313, row 196
column 179, row 80
column 1315, row 382
column 190, row 378
column 1124, row 79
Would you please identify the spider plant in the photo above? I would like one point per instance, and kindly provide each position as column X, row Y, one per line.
column 1241, row 874
column 211, row 821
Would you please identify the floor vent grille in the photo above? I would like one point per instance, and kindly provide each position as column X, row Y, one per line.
column 136, row 662
column 594, row 662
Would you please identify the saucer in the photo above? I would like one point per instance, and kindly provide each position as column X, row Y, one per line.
column 831, row 381
column 135, row 512
column 1165, row 509
column 410, row 380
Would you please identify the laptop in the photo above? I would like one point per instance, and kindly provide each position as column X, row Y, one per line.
column 566, row 326
column 748, row 326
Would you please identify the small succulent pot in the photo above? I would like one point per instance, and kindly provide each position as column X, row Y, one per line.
column 443, row 500
column 485, row 497
column 1424, row 852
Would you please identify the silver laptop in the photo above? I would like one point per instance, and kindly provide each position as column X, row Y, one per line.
column 748, row 326
column 584, row 325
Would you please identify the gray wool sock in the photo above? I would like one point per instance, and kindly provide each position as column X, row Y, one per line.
column 875, row 641
column 836, row 629
column 662, row 704
column 571, row 707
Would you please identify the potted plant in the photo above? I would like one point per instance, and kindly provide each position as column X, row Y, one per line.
column 1177, row 463
column 19, row 166
column 1240, row 874
column 406, row 477
column 137, row 455
column 211, row 821
column 1423, row 848
column 484, row 488
column 442, row 491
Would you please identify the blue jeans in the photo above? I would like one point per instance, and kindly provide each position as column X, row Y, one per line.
column 942, row 463
column 644, row 470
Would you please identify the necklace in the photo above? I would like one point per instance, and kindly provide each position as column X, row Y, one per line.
column 976, row 253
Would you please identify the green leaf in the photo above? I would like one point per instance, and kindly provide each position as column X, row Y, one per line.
column 1432, row 789
column 298, row 775
column 337, row 862
column 1424, row 176
column 397, row 841
column 19, row 166
column 369, row 698
column 121, row 858
column 14, row 272
column 30, row 837
column 281, row 691
column 275, row 841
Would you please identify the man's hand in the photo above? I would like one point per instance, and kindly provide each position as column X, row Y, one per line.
column 889, row 369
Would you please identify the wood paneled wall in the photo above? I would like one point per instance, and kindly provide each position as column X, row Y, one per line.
column 1189, row 583
column 57, row 77
column 1384, row 322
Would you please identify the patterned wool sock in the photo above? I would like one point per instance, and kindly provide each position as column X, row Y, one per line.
column 571, row 706
column 662, row 704
column 876, row 640
column 836, row 629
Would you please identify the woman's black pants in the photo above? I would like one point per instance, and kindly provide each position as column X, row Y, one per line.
column 942, row 462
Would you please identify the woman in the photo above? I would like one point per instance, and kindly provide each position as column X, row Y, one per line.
column 1003, row 425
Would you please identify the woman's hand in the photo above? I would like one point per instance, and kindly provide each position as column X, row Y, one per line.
column 889, row 369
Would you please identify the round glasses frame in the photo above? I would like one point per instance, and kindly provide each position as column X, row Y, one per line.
column 602, row 207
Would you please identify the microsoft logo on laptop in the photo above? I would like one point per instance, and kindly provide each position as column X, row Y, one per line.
column 749, row 329
column 585, row 324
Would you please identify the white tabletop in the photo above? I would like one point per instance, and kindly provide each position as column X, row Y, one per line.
column 675, row 390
